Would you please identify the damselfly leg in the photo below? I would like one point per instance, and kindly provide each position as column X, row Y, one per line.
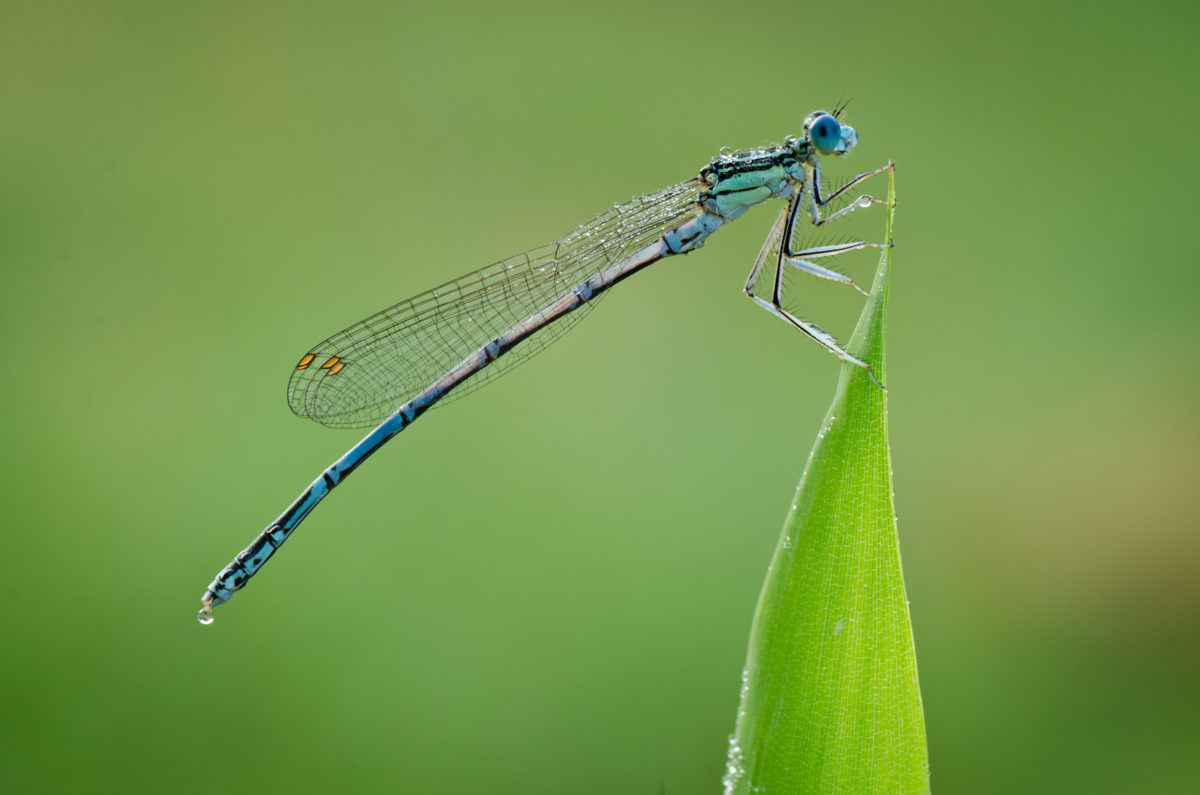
column 865, row 200
column 780, row 241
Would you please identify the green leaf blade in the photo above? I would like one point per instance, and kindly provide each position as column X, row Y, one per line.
column 830, row 698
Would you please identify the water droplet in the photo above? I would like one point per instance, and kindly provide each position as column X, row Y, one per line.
column 735, row 769
column 205, row 616
column 726, row 150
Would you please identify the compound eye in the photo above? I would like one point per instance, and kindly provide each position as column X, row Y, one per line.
column 826, row 133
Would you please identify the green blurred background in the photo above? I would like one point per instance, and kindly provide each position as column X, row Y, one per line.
column 547, row 586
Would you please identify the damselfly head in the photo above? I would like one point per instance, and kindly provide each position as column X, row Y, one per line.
column 828, row 135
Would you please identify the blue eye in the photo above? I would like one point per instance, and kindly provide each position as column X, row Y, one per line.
column 826, row 133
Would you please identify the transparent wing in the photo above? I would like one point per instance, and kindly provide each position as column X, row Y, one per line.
column 362, row 374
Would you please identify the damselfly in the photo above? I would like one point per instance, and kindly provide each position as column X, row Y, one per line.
column 395, row 365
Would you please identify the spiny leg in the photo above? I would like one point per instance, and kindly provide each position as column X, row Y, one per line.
column 767, row 246
column 787, row 218
column 889, row 166
column 786, row 256
column 784, row 223
column 797, row 260
column 817, row 200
